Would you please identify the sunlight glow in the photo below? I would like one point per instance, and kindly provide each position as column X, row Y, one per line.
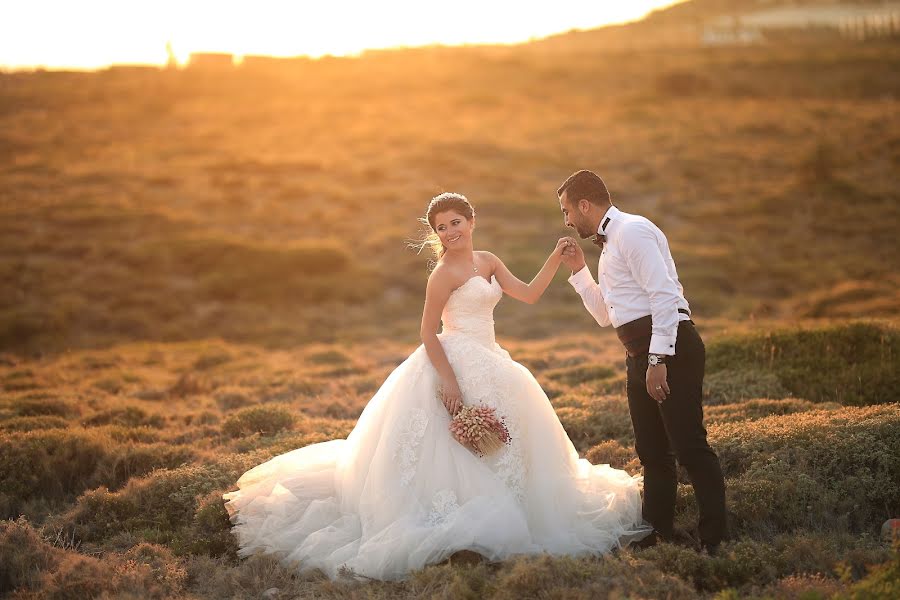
column 97, row 33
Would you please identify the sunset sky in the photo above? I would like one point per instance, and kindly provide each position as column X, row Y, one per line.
column 97, row 33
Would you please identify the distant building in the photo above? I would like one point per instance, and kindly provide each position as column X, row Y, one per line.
column 796, row 22
column 262, row 61
column 211, row 60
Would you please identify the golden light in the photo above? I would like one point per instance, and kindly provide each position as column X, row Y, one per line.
column 97, row 33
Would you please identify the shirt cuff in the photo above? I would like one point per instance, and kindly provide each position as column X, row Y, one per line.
column 580, row 279
column 662, row 344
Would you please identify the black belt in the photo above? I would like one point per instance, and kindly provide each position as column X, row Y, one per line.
column 635, row 335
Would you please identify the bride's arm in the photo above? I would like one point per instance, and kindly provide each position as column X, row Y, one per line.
column 529, row 292
column 436, row 295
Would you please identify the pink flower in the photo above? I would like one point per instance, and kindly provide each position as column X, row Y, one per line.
column 479, row 429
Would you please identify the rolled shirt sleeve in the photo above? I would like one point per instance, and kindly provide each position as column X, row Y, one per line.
column 587, row 288
column 648, row 266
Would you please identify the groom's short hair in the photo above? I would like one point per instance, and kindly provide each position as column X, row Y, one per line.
column 585, row 184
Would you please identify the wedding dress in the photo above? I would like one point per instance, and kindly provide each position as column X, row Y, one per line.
column 400, row 493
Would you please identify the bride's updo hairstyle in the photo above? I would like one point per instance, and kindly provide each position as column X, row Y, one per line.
column 442, row 203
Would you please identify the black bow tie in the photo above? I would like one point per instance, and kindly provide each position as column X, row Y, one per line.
column 599, row 239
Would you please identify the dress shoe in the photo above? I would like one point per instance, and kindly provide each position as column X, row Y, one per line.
column 647, row 542
column 710, row 549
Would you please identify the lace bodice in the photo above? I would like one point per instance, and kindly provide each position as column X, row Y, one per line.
column 470, row 309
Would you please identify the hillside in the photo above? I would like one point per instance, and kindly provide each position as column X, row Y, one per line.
column 273, row 205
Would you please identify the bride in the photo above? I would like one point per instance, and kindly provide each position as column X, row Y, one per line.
column 400, row 492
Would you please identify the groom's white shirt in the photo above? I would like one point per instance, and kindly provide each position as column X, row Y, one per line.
column 636, row 278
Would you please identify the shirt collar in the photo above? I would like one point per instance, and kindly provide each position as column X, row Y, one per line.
column 610, row 215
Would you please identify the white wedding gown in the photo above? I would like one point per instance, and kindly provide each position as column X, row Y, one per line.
column 400, row 493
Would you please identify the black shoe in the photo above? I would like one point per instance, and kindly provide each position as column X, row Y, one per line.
column 647, row 542
column 684, row 538
column 710, row 549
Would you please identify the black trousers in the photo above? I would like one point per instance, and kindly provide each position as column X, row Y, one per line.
column 674, row 429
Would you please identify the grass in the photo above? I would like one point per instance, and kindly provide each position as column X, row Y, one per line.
column 203, row 270
column 120, row 493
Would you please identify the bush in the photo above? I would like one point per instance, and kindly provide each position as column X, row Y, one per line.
column 30, row 564
column 126, row 416
column 167, row 506
column 23, row 554
column 746, row 563
column 57, row 465
column 756, row 409
column 231, row 398
column 586, row 578
column 266, row 420
column 33, row 423
column 853, row 364
column 51, row 464
column 834, row 469
column 614, row 454
column 580, row 374
column 883, row 581
column 39, row 406
column 730, row 386
column 596, row 421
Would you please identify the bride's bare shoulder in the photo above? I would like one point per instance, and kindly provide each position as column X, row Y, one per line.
column 491, row 259
column 441, row 278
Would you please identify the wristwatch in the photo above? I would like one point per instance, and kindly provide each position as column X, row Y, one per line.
column 656, row 359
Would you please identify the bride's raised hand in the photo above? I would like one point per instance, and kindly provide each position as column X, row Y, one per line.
column 562, row 245
column 451, row 397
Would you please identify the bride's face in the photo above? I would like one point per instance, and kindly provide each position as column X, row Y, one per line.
column 454, row 229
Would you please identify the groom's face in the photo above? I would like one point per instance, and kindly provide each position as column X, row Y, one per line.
column 574, row 218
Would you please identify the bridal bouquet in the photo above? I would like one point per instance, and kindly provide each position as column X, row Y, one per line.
column 479, row 429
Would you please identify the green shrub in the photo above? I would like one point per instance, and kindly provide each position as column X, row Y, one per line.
column 210, row 531
column 167, row 507
column 52, row 464
column 126, row 416
column 24, row 556
column 597, row 421
column 131, row 460
column 756, row 409
column 729, row 386
column 585, row 578
column 835, row 469
column 883, row 581
column 580, row 374
column 853, row 364
column 56, row 465
column 34, row 568
column 746, row 563
column 614, row 454
column 40, row 406
column 230, row 398
column 33, row 423
column 266, row 420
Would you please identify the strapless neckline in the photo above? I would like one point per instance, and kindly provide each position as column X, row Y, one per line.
column 469, row 280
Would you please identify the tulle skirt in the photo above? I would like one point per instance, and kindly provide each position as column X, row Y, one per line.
column 400, row 493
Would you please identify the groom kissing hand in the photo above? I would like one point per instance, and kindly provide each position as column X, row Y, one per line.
column 637, row 291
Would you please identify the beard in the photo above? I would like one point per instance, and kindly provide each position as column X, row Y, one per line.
column 583, row 230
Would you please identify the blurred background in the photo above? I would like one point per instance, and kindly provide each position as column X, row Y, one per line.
column 256, row 175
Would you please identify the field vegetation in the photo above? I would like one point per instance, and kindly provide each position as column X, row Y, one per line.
column 204, row 269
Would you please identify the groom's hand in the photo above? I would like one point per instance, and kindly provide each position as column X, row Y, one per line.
column 657, row 386
column 573, row 255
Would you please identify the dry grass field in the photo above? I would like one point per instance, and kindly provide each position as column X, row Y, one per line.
column 204, row 269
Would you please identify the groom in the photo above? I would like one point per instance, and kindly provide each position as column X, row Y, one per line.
column 639, row 294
